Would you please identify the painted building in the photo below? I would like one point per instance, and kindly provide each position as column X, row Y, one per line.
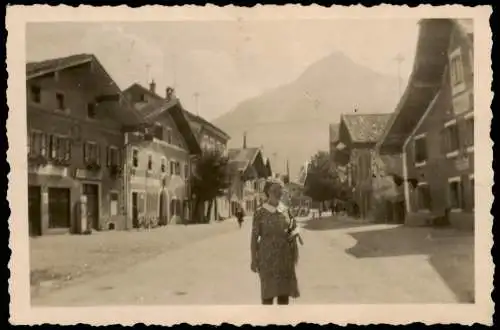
column 354, row 151
column 75, row 112
column 207, row 135
column 433, row 128
column 159, row 157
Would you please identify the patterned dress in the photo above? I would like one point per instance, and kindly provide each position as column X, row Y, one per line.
column 273, row 254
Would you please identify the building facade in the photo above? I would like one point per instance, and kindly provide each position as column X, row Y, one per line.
column 160, row 154
column 438, row 151
column 354, row 151
column 206, row 135
column 75, row 112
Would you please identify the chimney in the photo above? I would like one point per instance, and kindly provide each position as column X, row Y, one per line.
column 169, row 93
column 152, row 86
column 244, row 140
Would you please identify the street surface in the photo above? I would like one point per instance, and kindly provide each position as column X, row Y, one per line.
column 216, row 270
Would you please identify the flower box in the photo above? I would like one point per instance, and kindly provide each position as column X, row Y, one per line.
column 93, row 166
column 115, row 170
column 37, row 160
column 61, row 162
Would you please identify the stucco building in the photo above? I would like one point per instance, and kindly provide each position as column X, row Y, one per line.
column 75, row 113
column 433, row 127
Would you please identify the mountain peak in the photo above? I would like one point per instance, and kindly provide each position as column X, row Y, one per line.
column 293, row 120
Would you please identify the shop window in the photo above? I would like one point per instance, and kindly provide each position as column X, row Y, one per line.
column 113, row 204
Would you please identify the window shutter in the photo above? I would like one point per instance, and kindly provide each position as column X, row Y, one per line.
column 67, row 153
column 52, row 148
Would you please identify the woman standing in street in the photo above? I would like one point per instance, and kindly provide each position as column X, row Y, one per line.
column 274, row 250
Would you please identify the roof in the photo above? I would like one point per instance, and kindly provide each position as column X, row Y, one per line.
column 365, row 128
column 334, row 132
column 241, row 158
column 466, row 25
column 425, row 82
column 148, row 109
column 34, row 69
column 127, row 115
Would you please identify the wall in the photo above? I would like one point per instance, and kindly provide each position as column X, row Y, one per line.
column 80, row 86
column 441, row 166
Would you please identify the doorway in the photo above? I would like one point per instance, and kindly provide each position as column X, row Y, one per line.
column 34, row 211
column 59, row 208
column 91, row 191
column 135, row 210
column 163, row 213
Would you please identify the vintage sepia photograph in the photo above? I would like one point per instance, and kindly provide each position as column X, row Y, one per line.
column 235, row 161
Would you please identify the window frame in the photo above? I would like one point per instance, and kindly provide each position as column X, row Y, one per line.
column 425, row 209
column 456, row 180
column 448, row 126
column 58, row 100
column 416, row 139
column 86, row 158
column 134, row 158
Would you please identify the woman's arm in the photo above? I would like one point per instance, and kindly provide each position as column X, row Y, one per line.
column 254, row 240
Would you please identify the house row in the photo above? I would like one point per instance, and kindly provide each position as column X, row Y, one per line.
column 416, row 164
column 102, row 158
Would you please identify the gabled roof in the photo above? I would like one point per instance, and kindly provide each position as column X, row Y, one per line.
column 150, row 108
column 425, row 81
column 365, row 128
column 241, row 158
column 127, row 114
column 35, row 69
column 334, row 132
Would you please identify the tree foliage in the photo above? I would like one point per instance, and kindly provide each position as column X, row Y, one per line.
column 322, row 182
column 209, row 179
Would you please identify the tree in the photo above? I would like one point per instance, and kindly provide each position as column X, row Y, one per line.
column 322, row 182
column 209, row 180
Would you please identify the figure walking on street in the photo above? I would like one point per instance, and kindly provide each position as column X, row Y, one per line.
column 240, row 215
column 274, row 249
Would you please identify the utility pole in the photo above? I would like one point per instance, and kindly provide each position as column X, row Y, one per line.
column 399, row 59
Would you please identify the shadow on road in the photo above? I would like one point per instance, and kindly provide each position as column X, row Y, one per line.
column 332, row 223
column 450, row 253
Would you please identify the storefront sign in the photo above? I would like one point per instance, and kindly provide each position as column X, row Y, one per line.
column 462, row 103
column 84, row 174
column 50, row 170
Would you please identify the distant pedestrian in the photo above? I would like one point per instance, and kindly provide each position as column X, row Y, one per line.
column 274, row 249
column 240, row 214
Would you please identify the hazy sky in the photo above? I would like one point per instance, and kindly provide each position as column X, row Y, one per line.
column 224, row 61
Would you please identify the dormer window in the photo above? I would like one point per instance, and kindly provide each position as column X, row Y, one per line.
column 142, row 98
